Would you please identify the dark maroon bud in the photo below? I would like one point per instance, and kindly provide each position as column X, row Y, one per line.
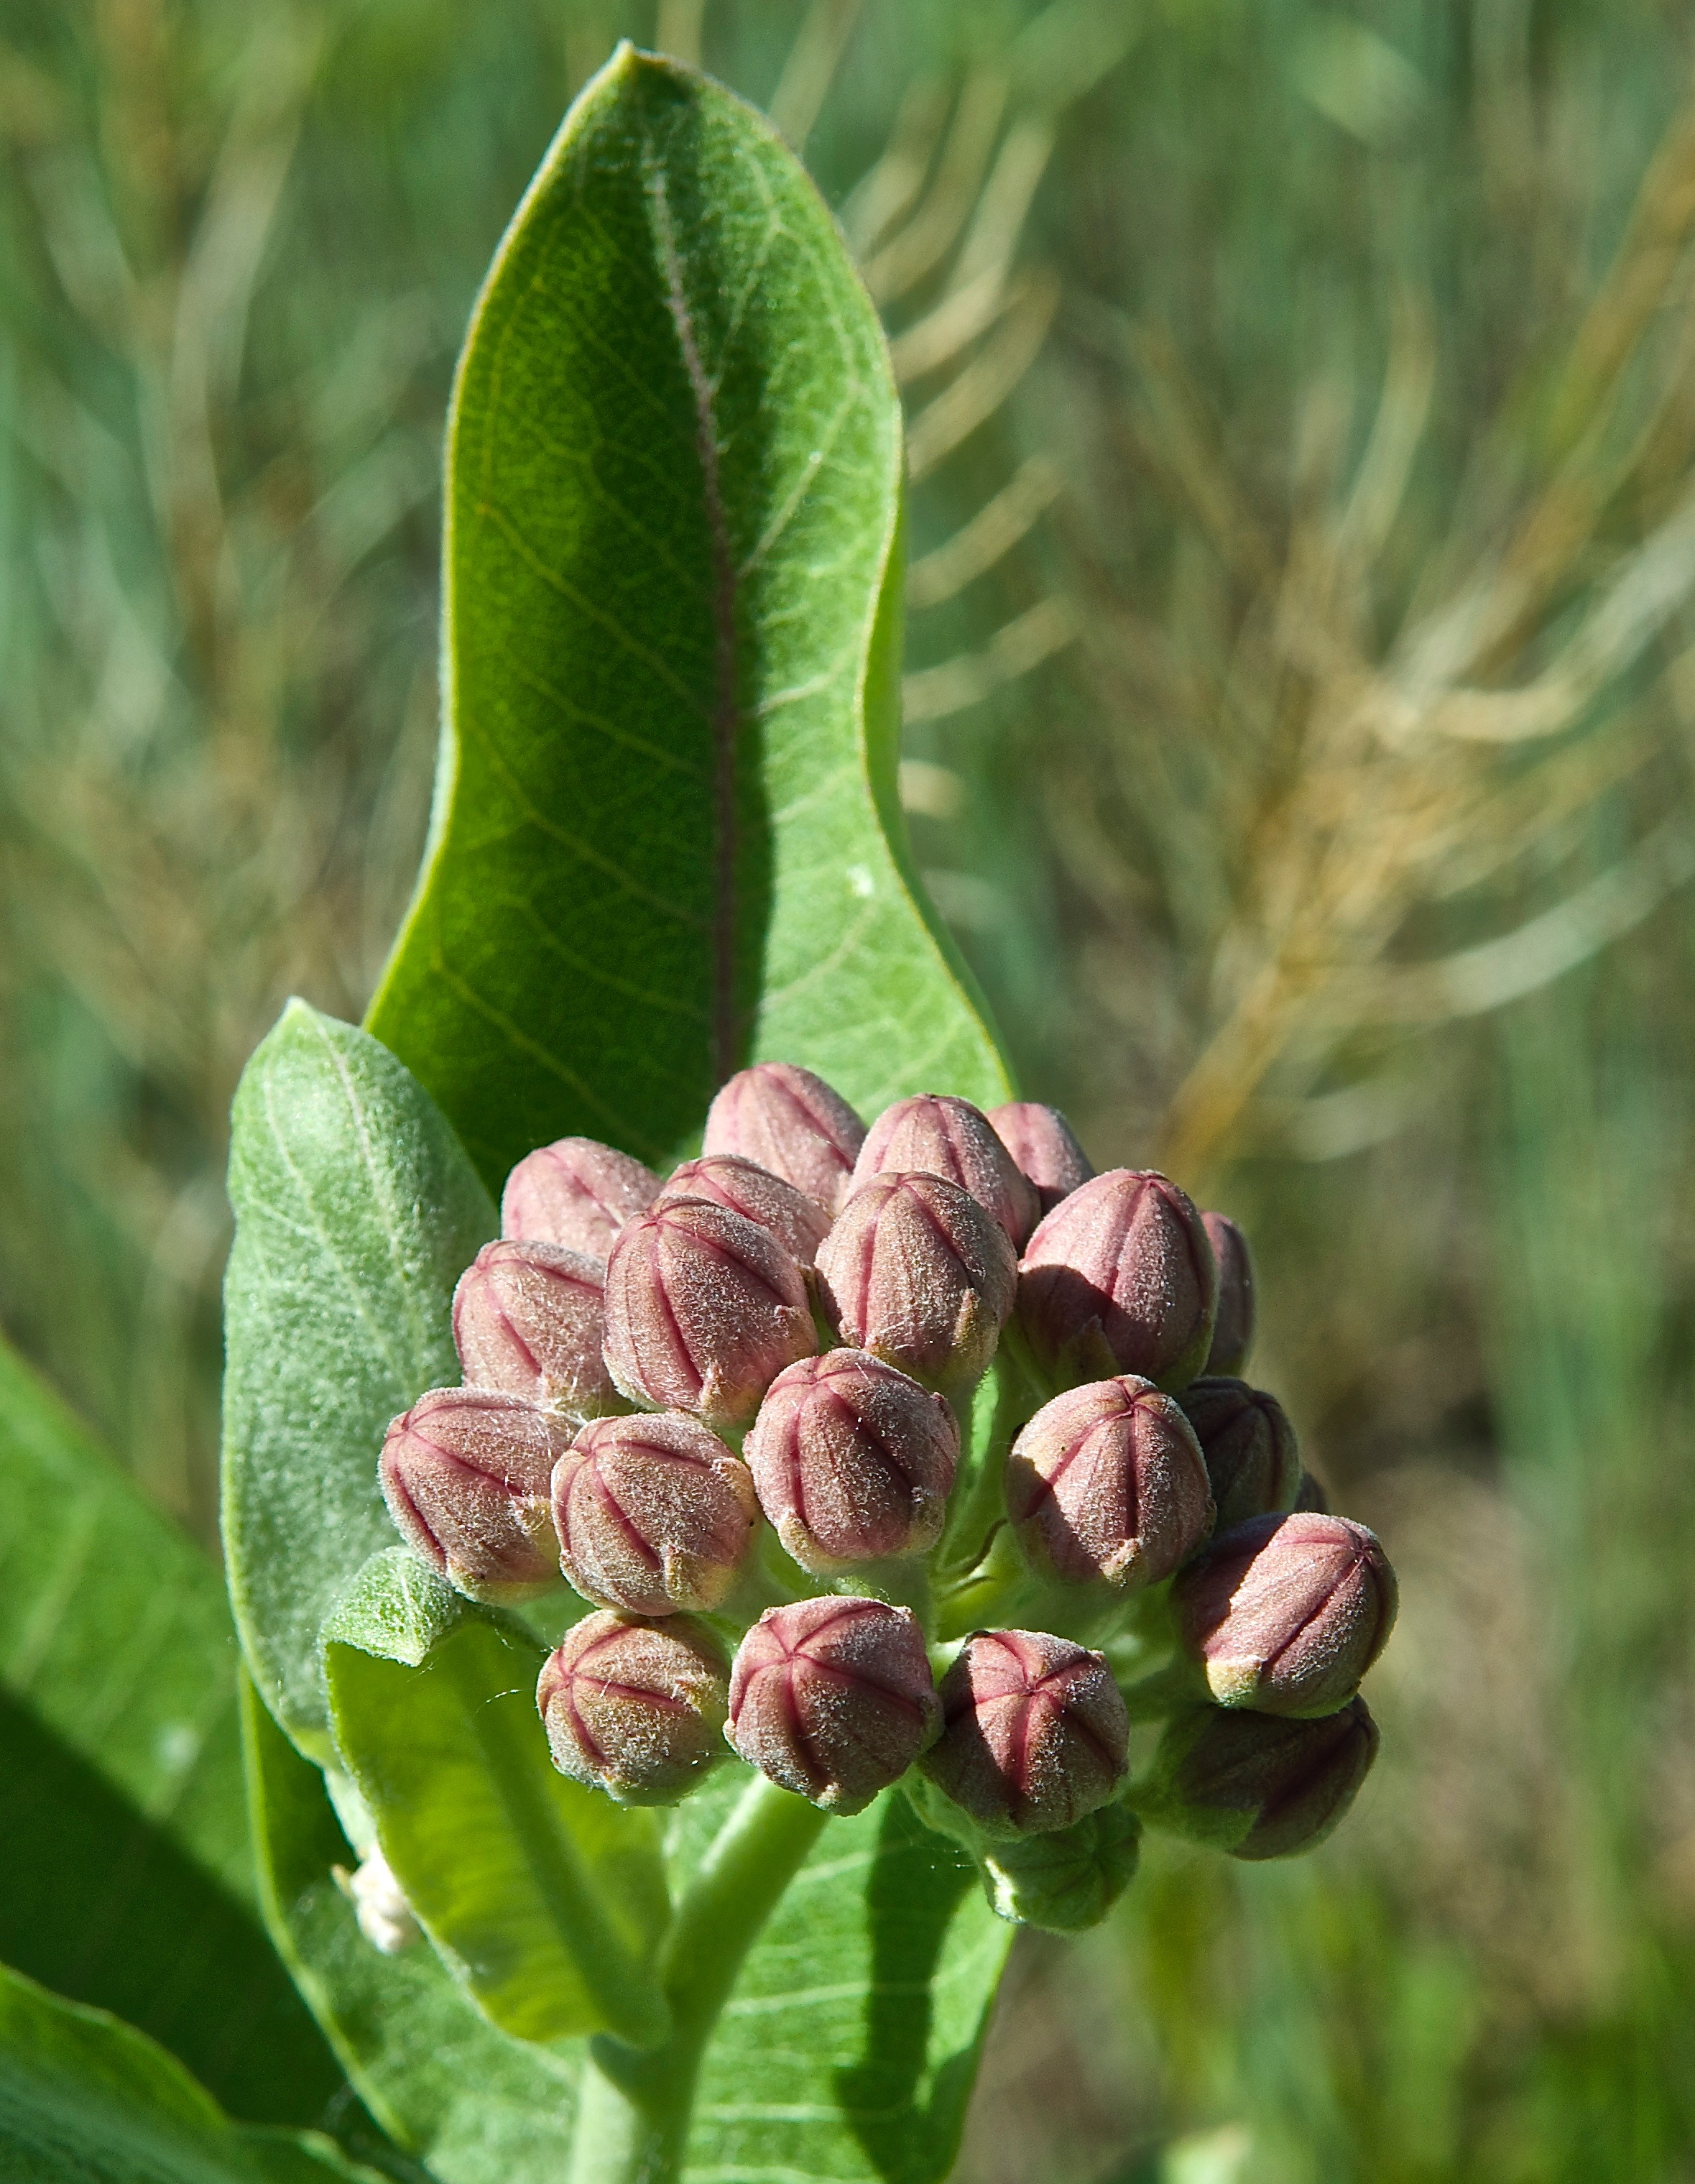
column 852, row 1461
column 530, row 1319
column 635, row 1708
column 934, row 1134
column 917, row 1273
column 1034, row 1736
column 799, row 1223
column 833, row 1698
column 1286, row 1614
column 1107, row 1481
column 703, row 1310
column 576, row 1192
column 1255, row 1786
column 1040, row 1139
column 464, row 1472
column 791, row 1122
column 1119, row 1278
column 1252, row 1457
column 653, row 1513
column 1311, row 1495
column 1233, row 1329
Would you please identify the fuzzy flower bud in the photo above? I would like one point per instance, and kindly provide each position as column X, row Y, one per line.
column 1286, row 1614
column 530, row 1319
column 917, row 1273
column 1233, row 1329
column 703, row 1310
column 933, row 1134
column 799, row 1222
column 1107, row 1481
column 791, row 1122
column 653, row 1513
column 1119, row 1278
column 1040, row 1139
column 1068, row 1881
column 1255, row 1786
column 851, row 1461
column 576, row 1192
column 833, row 1698
column 464, row 1472
column 636, row 1709
column 1252, row 1457
column 1035, row 1732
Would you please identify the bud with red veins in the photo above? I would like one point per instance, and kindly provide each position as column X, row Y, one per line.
column 576, row 1192
column 1035, row 1732
column 1108, row 1482
column 465, row 1474
column 1040, row 1139
column 1252, row 1457
column 634, row 1708
column 934, row 1134
column 1233, row 1328
column 833, row 1698
column 917, row 1273
column 653, row 1513
column 1119, row 1278
column 1255, row 1786
column 799, row 1222
column 788, row 1121
column 530, row 1319
column 853, row 1462
column 1285, row 1614
column 703, row 1310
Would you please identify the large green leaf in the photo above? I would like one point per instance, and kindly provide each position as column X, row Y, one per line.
column 666, row 838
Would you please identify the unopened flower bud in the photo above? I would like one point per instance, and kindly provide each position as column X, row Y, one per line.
column 1252, row 1457
column 933, row 1134
column 703, row 1310
column 1119, row 1278
column 1254, row 1785
column 635, row 1708
column 852, row 1461
column 917, row 1273
column 576, row 1192
column 791, row 1122
column 464, row 1472
column 653, row 1513
column 1233, row 1328
column 833, row 1698
column 1311, row 1495
column 530, row 1319
column 1035, row 1732
column 1107, row 1481
column 1040, row 1139
column 799, row 1222
column 1286, row 1614
column 1068, row 1881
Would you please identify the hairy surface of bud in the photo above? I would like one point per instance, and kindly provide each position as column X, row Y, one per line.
column 833, row 1698
column 1068, row 1881
column 1035, row 1732
column 1255, row 1786
column 1252, row 1457
column 791, row 1122
column 1233, row 1328
column 852, row 1461
column 1040, row 1139
column 530, row 1318
column 653, row 1513
column 799, row 1222
column 933, row 1134
column 576, row 1192
column 1285, row 1614
column 634, row 1708
column 465, row 1473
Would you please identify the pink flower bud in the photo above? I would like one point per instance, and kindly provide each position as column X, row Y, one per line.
column 1040, row 1139
column 799, row 1222
column 1107, row 1481
column 833, row 1698
column 576, row 1192
column 1119, row 1278
column 1252, row 1457
column 636, row 1709
column 530, row 1319
column 1255, row 1786
column 934, row 1134
column 653, row 1513
column 917, row 1273
column 791, row 1122
column 464, row 1472
column 851, row 1461
column 1286, row 1614
column 1034, row 1736
column 703, row 1310
column 1233, row 1329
